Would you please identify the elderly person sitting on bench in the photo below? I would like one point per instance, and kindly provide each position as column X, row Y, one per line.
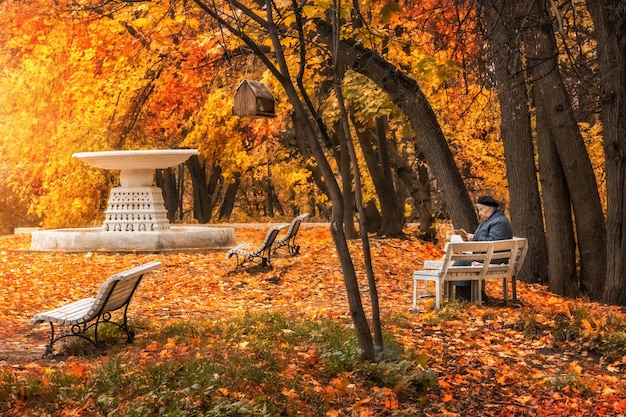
column 493, row 226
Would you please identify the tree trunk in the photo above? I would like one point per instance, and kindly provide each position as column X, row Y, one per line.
column 229, row 198
column 202, row 206
column 391, row 224
column 541, row 53
column 609, row 18
column 525, row 207
column 358, row 198
column 166, row 180
column 349, row 203
column 394, row 221
column 418, row 185
column 561, row 242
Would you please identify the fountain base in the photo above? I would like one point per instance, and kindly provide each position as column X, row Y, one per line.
column 95, row 239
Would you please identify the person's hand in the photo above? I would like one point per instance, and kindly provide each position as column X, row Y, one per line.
column 469, row 237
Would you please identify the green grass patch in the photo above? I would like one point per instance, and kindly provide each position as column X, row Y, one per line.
column 256, row 365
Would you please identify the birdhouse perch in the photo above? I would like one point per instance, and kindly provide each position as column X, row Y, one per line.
column 253, row 99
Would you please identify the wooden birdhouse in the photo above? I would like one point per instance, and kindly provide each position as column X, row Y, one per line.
column 254, row 99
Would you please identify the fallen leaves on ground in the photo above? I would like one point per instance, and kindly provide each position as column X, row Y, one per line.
column 485, row 363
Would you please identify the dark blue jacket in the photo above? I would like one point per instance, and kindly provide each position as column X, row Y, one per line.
column 496, row 227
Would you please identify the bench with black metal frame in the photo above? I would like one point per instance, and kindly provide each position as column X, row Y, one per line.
column 262, row 253
column 77, row 318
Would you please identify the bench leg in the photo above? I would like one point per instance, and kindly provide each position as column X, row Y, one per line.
column 505, row 290
column 476, row 293
column 414, row 294
column 438, row 295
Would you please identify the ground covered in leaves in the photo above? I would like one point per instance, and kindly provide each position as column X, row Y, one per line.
column 548, row 356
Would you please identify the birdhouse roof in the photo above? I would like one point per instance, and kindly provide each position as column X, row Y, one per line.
column 258, row 89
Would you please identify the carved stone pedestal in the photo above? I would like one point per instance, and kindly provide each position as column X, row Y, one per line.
column 135, row 209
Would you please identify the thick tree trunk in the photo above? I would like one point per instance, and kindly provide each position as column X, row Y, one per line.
column 166, row 180
column 418, row 185
column 202, row 206
column 561, row 243
column 525, row 207
column 391, row 222
column 229, row 198
column 551, row 95
column 609, row 17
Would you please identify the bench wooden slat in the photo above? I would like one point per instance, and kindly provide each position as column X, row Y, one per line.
column 69, row 314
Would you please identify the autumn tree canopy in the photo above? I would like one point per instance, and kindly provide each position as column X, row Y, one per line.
column 479, row 79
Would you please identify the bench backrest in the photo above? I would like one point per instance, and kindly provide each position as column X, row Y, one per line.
column 493, row 258
column 270, row 237
column 117, row 290
column 522, row 249
column 295, row 226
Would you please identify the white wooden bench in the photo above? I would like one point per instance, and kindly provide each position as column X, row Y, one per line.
column 82, row 315
column 499, row 259
column 263, row 252
column 289, row 240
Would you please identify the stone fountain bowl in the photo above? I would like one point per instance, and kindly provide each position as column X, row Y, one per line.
column 176, row 238
column 139, row 159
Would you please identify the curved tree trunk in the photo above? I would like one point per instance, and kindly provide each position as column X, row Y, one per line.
column 407, row 95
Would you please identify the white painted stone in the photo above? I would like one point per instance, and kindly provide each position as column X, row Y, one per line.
column 135, row 218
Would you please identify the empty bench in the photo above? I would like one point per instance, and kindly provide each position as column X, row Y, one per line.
column 500, row 259
column 76, row 318
column 262, row 253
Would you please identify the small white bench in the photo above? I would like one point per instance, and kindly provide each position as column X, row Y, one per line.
column 501, row 259
column 82, row 315
column 263, row 252
column 289, row 240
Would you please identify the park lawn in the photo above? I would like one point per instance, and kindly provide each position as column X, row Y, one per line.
column 212, row 340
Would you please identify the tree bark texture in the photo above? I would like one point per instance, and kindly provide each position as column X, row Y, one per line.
column 525, row 200
column 550, row 93
column 561, row 242
column 609, row 18
column 202, row 206
column 418, row 186
column 166, row 180
column 391, row 224
column 229, row 198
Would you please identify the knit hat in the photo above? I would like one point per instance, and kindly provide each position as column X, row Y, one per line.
column 487, row 200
